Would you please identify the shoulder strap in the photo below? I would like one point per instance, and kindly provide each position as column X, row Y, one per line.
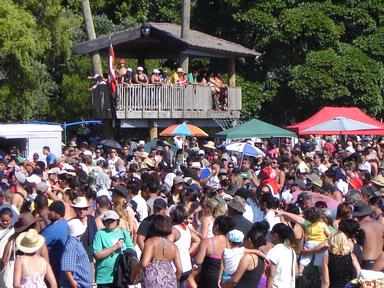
column 5, row 233
column 21, row 194
column 292, row 269
column 254, row 262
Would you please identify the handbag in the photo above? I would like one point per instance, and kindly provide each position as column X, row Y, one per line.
column 6, row 275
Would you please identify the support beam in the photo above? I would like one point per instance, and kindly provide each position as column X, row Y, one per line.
column 141, row 61
column 185, row 30
column 90, row 29
column 153, row 133
column 232, row 72
column 186, row 20
column 184, row 62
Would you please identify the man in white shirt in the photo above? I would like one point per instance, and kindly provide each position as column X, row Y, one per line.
column 267, row 204
column 134, row 188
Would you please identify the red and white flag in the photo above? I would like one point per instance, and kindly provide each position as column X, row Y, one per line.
column 111, row 68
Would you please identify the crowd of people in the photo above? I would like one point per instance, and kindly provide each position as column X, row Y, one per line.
column 127, row 77
column 307, row 214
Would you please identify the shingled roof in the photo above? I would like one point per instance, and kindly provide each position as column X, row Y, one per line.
column 164, row 41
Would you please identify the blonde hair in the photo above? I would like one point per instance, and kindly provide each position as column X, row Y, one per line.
column 120, row 208
column 214, row 207
column 339, row 244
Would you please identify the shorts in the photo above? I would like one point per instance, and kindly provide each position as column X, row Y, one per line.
column 306, row 259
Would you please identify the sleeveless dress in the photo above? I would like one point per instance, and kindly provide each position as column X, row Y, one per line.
column 341, row 270
column 252, row 277
column 33, row 280
column 159, row 273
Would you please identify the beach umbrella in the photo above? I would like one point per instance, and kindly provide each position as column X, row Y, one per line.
column 183, row 129
column 340, row 125
column 245, row 148
column 315, row 196
column 111, row 144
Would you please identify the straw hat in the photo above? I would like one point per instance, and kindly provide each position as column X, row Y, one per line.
column 210, row 145
column 378, row 180
column 151, row 163
column 29, row 242
column 80, row 202
column 142, row 154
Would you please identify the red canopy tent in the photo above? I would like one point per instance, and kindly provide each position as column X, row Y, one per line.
column 328, row 113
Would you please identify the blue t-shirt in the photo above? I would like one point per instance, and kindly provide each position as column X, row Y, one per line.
column 56, row 234
column 51, row 158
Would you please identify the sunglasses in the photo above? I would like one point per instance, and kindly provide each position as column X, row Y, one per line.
column 81, row 209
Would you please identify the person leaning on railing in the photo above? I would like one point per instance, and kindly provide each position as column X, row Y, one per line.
column 140, row 77
column 178, row 78
column 126, row 79
column 155, row 77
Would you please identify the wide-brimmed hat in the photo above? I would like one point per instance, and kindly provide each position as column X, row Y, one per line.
column 25, row 221
column 361, row 209
column 29, row 242
column 80, row 202
column 237, row 203
column 150, row 162
column 142, row 154
column 378, row 180
column 210, row 145
column 76, row 227
column 72, row 144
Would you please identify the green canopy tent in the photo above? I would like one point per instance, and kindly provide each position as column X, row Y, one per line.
column 254, row 128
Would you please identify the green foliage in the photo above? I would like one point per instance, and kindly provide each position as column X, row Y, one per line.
column 314, row 53
column 345, row 75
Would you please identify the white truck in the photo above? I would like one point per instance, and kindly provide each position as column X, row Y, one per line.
column 32, row 138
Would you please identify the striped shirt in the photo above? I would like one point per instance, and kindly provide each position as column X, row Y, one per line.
column 75, row 260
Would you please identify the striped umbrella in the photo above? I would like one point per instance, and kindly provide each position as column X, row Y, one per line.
column 183, row 129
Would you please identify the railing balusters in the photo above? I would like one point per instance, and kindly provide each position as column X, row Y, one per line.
column 159, row 98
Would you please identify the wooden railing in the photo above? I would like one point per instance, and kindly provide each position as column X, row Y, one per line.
column 158, row 98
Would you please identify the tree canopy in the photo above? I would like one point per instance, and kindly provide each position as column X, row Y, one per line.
column 314, row 53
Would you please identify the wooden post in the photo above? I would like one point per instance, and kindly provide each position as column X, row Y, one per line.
column 152, row 130
column 96, row 62
column 232, row 72
column 185, row 29
column 141, row 62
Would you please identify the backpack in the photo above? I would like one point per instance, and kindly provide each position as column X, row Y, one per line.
column 124, row 265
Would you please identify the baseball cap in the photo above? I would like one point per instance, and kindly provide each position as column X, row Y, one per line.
column 235, row 236
column 160, row 203
column 110, row 214
column 303, row 196
column 178, row 180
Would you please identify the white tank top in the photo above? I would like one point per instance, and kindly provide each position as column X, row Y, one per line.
column 183, row 244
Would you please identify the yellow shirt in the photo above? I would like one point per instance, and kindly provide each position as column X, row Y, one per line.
column 315, row 231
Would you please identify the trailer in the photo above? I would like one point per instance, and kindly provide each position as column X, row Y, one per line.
column 31, row 138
